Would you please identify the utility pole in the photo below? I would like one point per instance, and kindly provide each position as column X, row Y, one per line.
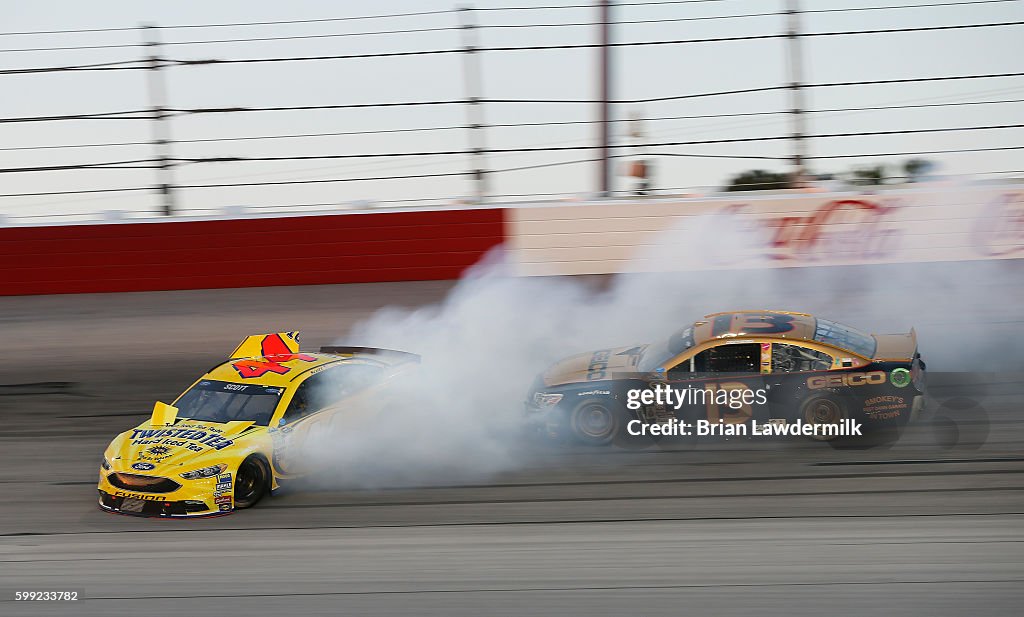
column 474, row 105
column 796, row 92
column 604, row 98
column 161, row 133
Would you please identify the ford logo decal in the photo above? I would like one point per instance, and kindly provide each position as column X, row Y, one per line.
column 144, row 466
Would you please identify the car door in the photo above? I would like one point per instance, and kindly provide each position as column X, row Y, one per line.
column 333, row 400
column 721, row 384
column 792, row 364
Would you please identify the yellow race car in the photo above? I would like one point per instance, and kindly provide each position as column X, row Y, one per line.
column 244, row 427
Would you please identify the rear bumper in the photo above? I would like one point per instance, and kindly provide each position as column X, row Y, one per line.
column 919, row 409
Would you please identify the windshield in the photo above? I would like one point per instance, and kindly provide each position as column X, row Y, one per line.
column 844, row 337
column 659, row 353
column 221, row 401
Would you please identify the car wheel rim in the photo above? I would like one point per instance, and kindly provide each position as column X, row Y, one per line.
column 824, row 412
column 595, row 421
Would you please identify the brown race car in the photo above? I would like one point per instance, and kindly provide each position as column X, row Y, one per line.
column 741, row 373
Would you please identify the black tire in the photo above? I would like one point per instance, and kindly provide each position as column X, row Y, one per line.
column 829, row 408
column 252, row 481
column 595, row 422
column 945, row 432
column 823, row 409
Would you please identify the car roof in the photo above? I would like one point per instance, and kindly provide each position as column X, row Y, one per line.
column 732, row 324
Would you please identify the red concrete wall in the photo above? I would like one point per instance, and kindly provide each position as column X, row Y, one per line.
column 306, row 250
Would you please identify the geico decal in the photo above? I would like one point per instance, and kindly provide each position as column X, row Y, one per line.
column 845, row 379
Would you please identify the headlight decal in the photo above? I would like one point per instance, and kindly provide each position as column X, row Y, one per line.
column 546, row 400
column 205, row 472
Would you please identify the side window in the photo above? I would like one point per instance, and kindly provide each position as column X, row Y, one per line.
column 680, row 371
column 330, row 387
column 739, row 358
column 301, row 405
column 794, row 359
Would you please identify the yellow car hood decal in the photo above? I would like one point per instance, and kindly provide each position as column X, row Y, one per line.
column 176, row 445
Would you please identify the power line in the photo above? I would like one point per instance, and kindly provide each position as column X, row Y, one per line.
column 110, row 165
column 497, row 125
column 590, row 6
column 871, row 82
column 107, row 115
column 104, row 66
column 73, row 48
column 918, row 153
column 323, row 181
column 906, row 6
column 221, row 110
column 742, row 15
column 915, row 106
column 239, row 159
column 211, row 61
column 446, row 11
column 79, row 192
column 453, row 174
column 237, row 24
column 491, row 26
column 410, row 176
column 592, row 101
column 580, row 45
column 315, row 36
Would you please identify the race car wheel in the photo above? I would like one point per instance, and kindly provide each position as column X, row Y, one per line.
column 251, row 482
column 595, row 422
column 823, row 410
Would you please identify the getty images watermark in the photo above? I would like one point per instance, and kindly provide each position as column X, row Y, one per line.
column 734, row 402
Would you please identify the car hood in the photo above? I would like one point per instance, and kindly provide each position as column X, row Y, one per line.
column 593, row 366
column 182, row 444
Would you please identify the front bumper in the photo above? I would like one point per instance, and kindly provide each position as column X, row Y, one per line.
column 193, row 499
column 548, row 421
column 159, row 507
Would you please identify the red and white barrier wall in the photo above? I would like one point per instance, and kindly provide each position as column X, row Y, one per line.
column 736, row 231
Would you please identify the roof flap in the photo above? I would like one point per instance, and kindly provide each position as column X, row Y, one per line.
column 263, row 345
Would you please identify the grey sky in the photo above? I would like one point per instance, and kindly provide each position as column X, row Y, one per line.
column 639, row 72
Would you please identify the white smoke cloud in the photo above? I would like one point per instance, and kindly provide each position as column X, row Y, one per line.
column 458, row 418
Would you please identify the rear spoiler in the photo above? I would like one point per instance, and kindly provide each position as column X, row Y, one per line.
column 400, row 356
column 896, row 347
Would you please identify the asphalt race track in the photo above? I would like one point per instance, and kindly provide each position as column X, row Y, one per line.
column 722, row 529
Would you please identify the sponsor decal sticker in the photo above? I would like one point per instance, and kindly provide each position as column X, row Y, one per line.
column 138, row 496
column 598, row 367
column 275, row 351
column 144, row 466
column 183, row 436
column 885, row 407
column 900, row 377
column 846, row 379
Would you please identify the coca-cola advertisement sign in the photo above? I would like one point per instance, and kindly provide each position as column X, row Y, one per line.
column 999, row 229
